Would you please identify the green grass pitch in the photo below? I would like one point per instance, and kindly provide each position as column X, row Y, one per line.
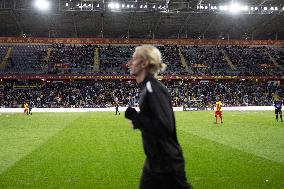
column 99, row 150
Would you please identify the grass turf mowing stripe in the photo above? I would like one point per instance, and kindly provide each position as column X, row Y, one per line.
column 253, row 132
column 216, row 166
column 21, row 134
column 100, row 151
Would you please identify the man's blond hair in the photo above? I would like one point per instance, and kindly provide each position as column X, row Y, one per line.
column 153, row 55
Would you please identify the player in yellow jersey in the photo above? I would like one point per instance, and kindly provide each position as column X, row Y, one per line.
column 26, row 108
column 218, row 111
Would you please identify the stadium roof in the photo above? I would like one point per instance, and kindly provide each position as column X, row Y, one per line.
column 180, row 19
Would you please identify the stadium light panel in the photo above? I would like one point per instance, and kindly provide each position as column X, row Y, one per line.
column 223, row 8
column 251, row 8
column 272, row 8
column 145, row 6
column 111, row 5
column 235, row 8
column 98, row 5
column 66, row 4
column 42, row 4
column 276, row 8
column 141, row 6
column 122, row 5
column 116, row 5
column 244, row 8
column 255, row 8
column 132, row 6
column 127, row 5
column 154, row 6
column 84, row 5
column 265, row 8
column 206, row 7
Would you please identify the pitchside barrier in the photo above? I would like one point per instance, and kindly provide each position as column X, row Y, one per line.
column 112, row 109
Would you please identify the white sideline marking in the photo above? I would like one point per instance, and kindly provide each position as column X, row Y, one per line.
column 112, row 109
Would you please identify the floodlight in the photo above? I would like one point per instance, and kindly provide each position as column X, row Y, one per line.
column 116, row 5
column 251, row 8
column 255, row 8
column 206, row 7
column 84, row 5
column 111, row 5
column 244, row 8
column 132, row 6
column 154, row 6
column 122, row 5
column 234, row 8
column 98, row 5
column 67, row 4
column 276, row 8
column 145, row 6
column 42, row 4
column 141, row 6
column 265, row 8
column 127, row 5
column 272, row 8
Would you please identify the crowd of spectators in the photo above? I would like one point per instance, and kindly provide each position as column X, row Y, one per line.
column 253, row 60
column 113, row 59
column 205, row 60
column 200, row 60
column 106, row 93
column 71, row 58
column 25, row 59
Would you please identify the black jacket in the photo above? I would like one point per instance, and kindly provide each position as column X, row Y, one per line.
column 157, row 124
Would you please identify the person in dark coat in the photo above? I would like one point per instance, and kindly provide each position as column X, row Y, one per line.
column 164, row 167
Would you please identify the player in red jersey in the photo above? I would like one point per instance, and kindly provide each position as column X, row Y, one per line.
column 218, row 111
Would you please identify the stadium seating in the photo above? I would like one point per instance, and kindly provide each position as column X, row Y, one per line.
column 25, row 59
column 94, row 94
column 112, row 59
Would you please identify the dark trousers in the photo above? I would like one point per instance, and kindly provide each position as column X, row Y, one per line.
column 172, row 180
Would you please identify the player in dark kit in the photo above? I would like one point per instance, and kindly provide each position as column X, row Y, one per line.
column 278, row 109
column 30, row 108
column 116, row 109
column 164, row 167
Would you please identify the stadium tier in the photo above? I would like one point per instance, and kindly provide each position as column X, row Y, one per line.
column 195, row 60
column 99, row 94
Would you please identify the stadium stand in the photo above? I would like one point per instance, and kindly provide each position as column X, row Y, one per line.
column 97, row 94
column 112, row 59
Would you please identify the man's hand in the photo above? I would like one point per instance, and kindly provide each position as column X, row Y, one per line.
column 130, row 113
